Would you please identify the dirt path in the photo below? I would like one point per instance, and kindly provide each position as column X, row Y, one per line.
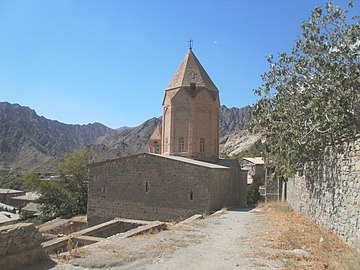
column 231, row 243
column 226, row 240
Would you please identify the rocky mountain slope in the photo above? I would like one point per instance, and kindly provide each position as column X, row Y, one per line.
column 33, row 142
column 234, row 119
column 234, row 138
column 127, row 141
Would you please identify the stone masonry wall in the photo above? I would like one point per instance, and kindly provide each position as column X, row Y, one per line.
column 232, row 189
column 19, row 245
column 329, row 193
column 149, row 187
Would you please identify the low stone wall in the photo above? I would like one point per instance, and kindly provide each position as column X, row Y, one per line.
column 119, row 228
column 62, row 226
column 329, row 193
column 20, row 245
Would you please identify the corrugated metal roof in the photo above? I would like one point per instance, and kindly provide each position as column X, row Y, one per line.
column 255, row 160
column 6, row 206
column 7, row 190
column 6, row 217
column 31, row 207
column 30, row 196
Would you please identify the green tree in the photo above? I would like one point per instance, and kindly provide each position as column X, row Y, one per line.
column 310, row 98
column 10, row 179
column 67, row 196
column 256, row 150
column 30, row 181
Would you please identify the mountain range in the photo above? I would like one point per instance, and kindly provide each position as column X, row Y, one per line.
column 32, row 142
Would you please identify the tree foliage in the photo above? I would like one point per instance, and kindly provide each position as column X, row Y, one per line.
column 256, row 150
column 253, row 194
column 310, row 98
column 10, row 179
column 30, row 181
column 67, row 195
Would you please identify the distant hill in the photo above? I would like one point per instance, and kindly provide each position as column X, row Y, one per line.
column 33, row 142
column 127, row 141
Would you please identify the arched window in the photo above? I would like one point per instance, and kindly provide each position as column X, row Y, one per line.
column 156, row 147
column 181, row 144
column 202, row 145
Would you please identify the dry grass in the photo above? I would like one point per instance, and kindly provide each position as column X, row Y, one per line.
column 82, row 218
column 73, row 251
column 148, row 233
column 319, row 249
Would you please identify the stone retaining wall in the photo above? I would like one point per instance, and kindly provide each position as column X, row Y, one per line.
column 62, row 226
column 329, row 193
column 20, row 245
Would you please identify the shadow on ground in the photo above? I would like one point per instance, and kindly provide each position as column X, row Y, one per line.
column 242, row 209
column 43, row 265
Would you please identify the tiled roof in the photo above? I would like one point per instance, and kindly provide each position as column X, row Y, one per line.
column 156, row 136
column 176, row 158
column 191, row 71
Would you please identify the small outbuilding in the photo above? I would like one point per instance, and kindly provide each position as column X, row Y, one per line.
column 255, row 170
column 6, row 194
column 20, row 201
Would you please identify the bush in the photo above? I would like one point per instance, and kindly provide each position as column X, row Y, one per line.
column 253, row 195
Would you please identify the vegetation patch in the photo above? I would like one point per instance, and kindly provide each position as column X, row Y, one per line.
column 253, row 194
column 303, row 245
column 310, row 97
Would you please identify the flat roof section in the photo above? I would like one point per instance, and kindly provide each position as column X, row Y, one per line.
column 193, row 161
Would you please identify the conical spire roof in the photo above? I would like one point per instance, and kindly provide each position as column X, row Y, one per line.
column 191, row 71
column 156, row 136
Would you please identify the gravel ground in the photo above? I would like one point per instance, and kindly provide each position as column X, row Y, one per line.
column 231, row 239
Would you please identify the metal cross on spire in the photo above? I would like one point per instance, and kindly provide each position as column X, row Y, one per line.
column 190, row 43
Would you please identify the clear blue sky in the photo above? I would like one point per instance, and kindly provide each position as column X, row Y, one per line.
column 86, row 61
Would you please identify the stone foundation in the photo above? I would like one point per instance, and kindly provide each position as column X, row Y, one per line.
column 20, row 245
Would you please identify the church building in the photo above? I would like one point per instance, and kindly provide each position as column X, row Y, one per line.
column 182, row 174
column 190, row 126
